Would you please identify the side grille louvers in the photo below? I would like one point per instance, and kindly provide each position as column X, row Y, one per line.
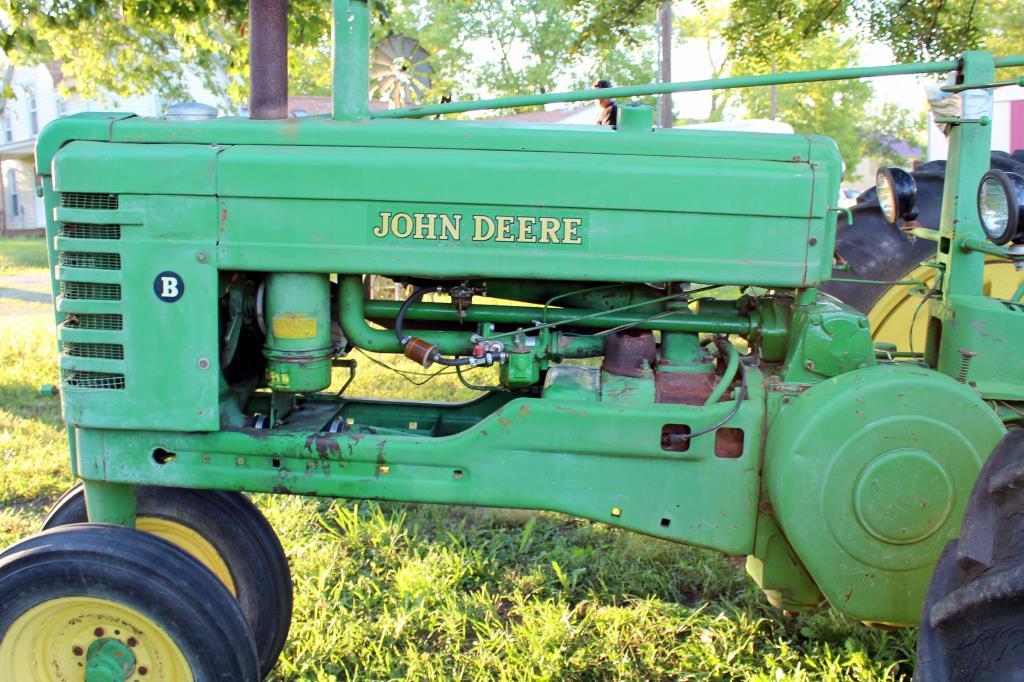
column 89, row 201
column 95, row 261
column 89, row 335
column 105, row 321
column 84, row 231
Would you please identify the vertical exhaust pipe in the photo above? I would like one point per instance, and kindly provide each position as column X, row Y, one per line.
column 268, row 59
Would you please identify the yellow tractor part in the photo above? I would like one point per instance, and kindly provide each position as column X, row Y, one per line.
column 901, row 308
column 50, row 642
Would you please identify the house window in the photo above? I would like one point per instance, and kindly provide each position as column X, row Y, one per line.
column 12, row 188
column 62, row 106
column 8, row 127
column 33, row 113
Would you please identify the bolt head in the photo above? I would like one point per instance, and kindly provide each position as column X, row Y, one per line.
column 202, row 256
column 203, row 363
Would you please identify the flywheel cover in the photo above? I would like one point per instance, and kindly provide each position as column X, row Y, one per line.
column 868, row 474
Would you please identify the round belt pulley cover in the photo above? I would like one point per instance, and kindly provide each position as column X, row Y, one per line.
column 868, row 474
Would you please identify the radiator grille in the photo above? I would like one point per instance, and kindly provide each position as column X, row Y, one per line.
column 97, row 380
column 101, row 202
column 79, row 291
column 83, row 231
column 105, row 321
column 100, row 365
column 102, row 351
column 95, row 261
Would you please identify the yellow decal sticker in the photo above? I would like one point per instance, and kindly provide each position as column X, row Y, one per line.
column 294, row 325
column 479, row 228
column 277, row 378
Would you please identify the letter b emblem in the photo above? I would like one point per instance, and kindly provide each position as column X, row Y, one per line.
column 169, row 286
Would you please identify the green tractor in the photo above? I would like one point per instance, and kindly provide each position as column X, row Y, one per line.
column 653, row 301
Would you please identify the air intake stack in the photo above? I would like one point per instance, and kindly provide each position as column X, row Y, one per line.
column 351, row 50
column 268, row 60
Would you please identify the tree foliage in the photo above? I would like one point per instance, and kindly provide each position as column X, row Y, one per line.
column 493, row 48
column 766, row 30
column 840, row 109
column 486, row 46
column 500, row 47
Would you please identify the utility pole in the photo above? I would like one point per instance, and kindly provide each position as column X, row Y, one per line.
column 665, row 68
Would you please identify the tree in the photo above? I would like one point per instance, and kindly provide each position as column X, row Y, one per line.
column 708, row 27
column 488, row 46
column 478, row 46
column 839, row 109
column 127, row 48
column 763, row 31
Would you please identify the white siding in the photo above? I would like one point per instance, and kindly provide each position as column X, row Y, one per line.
column 15, row 151
column 27, row 217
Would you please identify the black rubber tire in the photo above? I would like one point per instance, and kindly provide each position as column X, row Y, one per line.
column 972, row 625
column 874, row 249
column 241, row 535
column 140, row 571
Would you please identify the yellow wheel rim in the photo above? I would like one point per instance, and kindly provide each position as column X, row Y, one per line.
column 190, row 541
column 48, row 643
column 892, row 315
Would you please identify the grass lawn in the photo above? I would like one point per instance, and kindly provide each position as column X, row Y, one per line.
column 390, row 591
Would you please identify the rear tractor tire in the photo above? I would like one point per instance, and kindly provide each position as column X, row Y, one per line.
column 972, row 626
column 876, row 250
column 226, row 533
column 103, row 602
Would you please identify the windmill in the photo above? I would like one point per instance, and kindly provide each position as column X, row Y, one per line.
column 399, row 70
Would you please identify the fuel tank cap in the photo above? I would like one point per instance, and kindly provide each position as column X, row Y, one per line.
column 190, row 111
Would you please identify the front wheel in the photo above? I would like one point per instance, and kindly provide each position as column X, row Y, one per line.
column 226, row 533
column 972, row 627
column 102, row 602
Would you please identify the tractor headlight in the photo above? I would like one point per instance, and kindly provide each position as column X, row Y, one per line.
column 897, row 194
column 1000, row 204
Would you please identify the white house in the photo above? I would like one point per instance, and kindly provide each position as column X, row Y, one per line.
column 35, row 103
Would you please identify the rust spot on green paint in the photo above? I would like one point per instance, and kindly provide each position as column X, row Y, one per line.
column 324, row 445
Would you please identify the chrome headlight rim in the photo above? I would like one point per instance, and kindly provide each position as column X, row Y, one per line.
column 902, row 188
column 1012, row 186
